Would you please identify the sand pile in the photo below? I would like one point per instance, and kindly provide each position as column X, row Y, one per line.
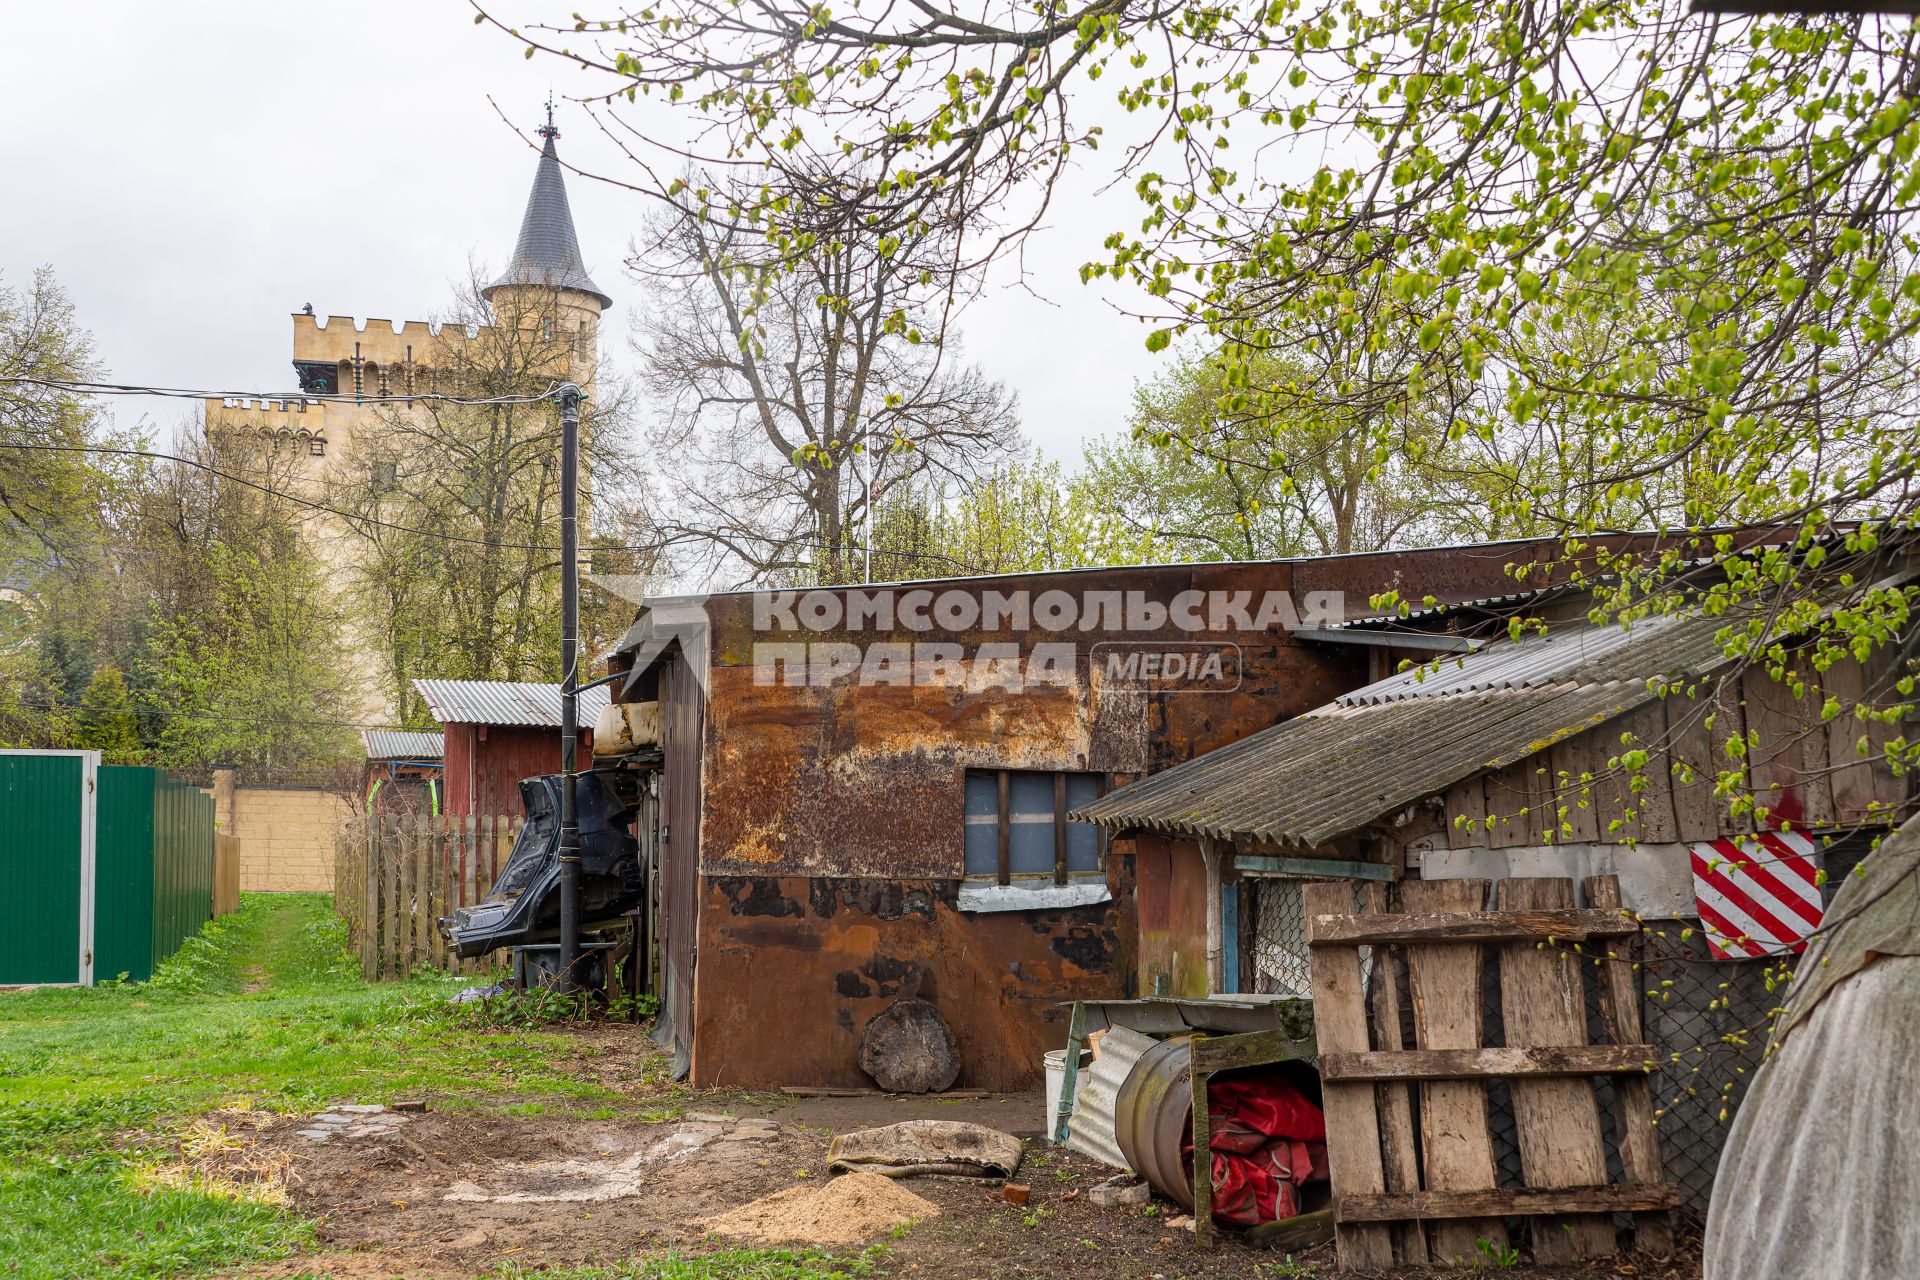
column 851, row 1209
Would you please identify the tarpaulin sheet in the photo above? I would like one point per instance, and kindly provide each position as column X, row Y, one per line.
column 1267, row 1140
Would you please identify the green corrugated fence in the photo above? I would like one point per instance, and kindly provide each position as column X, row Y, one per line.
column 104, row 870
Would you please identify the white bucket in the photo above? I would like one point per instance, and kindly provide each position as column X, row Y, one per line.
column 1055, row 1062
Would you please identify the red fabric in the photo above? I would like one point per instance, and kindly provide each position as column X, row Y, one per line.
column 1267, row 1140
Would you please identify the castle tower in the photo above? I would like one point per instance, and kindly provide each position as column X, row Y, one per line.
column 332, row 440
column 547, row 280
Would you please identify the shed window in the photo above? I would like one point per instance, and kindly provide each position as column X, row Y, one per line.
column 1017, row 831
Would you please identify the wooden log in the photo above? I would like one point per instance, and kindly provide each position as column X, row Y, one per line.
column 1633, row 1120
column 1399, row 1153
column 1447, row 1014
column 1353, row 1124
column 1556, row 1119
column 1499, row 1063
column 1509, row 1202
column 1467, row 926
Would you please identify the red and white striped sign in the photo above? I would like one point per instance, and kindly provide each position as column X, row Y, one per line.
column 1758, row 895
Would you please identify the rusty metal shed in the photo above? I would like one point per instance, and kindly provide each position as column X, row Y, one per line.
column 815, row 863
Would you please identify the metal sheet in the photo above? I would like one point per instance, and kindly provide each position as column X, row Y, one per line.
column 403, row 744
column 45, row 907
column 1090, row 1130
column 504, row 702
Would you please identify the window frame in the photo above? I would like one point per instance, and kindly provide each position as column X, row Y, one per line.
column 1063, row 874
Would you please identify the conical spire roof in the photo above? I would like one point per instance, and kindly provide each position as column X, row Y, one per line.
column 548, row 251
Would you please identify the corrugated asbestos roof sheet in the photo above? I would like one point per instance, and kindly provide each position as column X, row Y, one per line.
column 505, row 702
column 1340, row 766
column 403, row 744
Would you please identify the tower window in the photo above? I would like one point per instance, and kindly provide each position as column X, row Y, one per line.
column 317, row 446
column 386, row 477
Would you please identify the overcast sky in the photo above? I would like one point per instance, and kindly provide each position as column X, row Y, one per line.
column 194, row 173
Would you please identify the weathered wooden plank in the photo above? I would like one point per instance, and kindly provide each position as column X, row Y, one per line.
column 390, row 886
column 469, row 873
column 1852, row 777
column 1456, row 1144
column 1260, row 864
column 1556, row 1120
column 423, row 929
column 1353, row 1125
column 1390, row 1206
column 437, row 892
column 1004, row 827
column 1729, row 714
column 1249, row 1049
column 1467, row 926
column 403, row 852
column 1633, row 1120
column 1204, row 1234
column 1399, row 1153
column 1690, row 765
column 1467, row 814
column 1788, row 766
column 1060, row 834
column 1509, row 805
column 1575, row 762
column 1498, row 1063
column 1653, row 802
column 370, row 904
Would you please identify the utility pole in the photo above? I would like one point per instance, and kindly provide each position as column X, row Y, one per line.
column 568, row 394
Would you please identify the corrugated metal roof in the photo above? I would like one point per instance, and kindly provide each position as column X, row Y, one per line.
column 403, row 744
column 505, row 702
column 1340, row 766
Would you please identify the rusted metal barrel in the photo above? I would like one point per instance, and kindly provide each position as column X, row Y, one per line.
column 1153, row 1118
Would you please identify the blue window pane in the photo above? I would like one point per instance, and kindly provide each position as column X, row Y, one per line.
column 983, row 795
column 1083, row 847
column 1032, row 795
column 983, row 849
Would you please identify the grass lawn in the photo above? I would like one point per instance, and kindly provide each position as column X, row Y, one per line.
column 101, row 1092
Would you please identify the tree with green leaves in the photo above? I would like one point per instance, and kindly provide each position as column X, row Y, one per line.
column 1686, row 240
column 105, row 720
column 47, row 487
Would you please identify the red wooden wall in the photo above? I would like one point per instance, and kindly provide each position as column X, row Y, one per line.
column 485, row 763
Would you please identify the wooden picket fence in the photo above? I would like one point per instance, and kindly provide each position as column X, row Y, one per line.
column 395, row 875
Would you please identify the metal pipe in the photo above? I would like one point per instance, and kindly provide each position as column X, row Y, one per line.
column 569, row 396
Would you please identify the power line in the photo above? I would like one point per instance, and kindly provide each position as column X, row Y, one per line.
column 187, row 393
column 375, row 522
column 33, row 704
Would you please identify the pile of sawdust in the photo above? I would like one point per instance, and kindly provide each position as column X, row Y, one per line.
column 852, row 1208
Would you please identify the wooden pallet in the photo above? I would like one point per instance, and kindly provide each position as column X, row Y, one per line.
column 1408, row 1138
